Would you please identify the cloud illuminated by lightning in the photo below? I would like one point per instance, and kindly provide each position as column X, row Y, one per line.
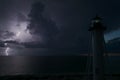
column 18, row 34
column 21, row 34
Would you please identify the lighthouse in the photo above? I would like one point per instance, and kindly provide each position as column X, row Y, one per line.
column 97, row 30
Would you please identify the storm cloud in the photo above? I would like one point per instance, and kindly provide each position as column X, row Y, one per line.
column 41, row 26
column 58, row 23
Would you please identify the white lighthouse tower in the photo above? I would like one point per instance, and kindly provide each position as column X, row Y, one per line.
column 97, row 30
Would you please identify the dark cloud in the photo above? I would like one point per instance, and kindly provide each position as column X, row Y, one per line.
column 21, row 17
column 61, row 23
column 41, row 26
column 73, row 20
column 70, row 28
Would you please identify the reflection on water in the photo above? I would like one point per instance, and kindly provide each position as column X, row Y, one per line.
column 37, row 65
column 10, row 65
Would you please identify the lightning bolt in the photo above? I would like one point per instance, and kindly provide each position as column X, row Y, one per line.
column 7, row 51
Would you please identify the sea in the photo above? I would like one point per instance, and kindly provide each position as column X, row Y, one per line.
column 44, row 61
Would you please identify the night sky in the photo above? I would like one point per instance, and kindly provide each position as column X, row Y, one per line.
column 54, row 27
column 56, row 24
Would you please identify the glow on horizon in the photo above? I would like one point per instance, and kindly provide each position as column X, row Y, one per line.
column 112, row 35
